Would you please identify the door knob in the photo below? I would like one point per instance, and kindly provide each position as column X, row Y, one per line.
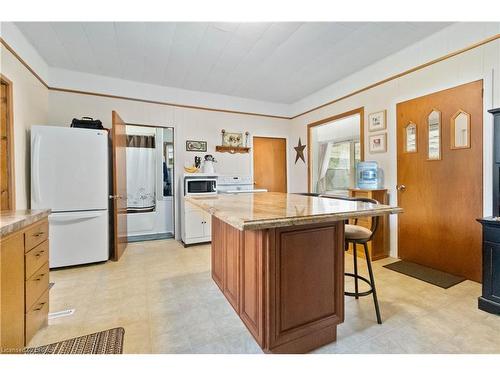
column 401, row 187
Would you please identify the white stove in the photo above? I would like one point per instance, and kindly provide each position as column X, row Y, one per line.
column 234, row 184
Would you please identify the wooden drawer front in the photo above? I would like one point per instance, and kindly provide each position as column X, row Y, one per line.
column 361, row 194
column 36, row 258
column 36, row 235
column 36, row 285
column 37, row 316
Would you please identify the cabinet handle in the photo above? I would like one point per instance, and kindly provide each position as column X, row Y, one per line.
column 40, row 277
column 41, row 307
column 38, row 234
column 39, row 253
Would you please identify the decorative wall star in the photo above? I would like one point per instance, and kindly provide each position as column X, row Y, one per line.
column 300, row 152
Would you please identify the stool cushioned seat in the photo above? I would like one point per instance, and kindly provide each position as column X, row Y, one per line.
column 357, row 232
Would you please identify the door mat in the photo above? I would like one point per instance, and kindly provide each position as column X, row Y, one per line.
column 429, row 275
column 104, row 342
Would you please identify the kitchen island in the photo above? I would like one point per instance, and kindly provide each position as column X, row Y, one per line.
column 279, row 260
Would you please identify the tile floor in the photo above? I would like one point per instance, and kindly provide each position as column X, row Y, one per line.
column 163, row 295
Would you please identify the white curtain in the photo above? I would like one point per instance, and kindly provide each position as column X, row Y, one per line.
column 141, row 180
column 325, row 149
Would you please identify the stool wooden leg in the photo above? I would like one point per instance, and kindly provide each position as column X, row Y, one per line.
column 372, row 281
column 355, row 255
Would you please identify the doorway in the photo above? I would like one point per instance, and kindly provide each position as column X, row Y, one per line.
column 150, row 188
column 7, row 146
column 440, row 179
column 335, row 146
column 269, row 164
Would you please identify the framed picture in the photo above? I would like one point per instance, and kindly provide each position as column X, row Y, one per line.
column 197, row 146
column 378, row 143
column 232, row 139
column 377, row 121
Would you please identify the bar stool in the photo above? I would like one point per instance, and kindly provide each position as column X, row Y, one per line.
column 357, row 234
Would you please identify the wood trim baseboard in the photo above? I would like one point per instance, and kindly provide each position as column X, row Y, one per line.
column 391, row 78
column 19, row 58
column 166, row 103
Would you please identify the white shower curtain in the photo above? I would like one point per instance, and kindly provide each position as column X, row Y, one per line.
column 141, row 180
column 325, row 149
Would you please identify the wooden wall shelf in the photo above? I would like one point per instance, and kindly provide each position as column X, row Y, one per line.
column 233, row 150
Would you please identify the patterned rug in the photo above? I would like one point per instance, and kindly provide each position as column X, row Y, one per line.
column 104, row 342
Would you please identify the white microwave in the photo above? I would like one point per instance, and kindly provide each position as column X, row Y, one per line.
column 200, row 186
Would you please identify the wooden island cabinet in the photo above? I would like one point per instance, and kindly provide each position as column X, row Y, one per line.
column 24, row 277
column 279, row 260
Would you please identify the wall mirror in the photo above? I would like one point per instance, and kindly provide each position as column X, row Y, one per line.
column 411, row 137
column 460, row 130
column 434, row 135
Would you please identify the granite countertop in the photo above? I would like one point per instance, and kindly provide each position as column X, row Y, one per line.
column 11, row 221
column 253, row 211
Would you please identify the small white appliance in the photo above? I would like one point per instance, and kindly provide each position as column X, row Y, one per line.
column 200, row 184
column 69, row 175
column 235, row 184
column 208, row 166
column 197, row 224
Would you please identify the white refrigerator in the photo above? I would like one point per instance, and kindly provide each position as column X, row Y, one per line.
column 69, row 175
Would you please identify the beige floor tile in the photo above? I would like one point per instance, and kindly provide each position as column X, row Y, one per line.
column 164, row 297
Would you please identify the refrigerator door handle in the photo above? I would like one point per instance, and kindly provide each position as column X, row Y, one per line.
column 35, row 164
column 75, row 216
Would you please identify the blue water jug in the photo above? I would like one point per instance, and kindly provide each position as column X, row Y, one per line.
column 367, row 175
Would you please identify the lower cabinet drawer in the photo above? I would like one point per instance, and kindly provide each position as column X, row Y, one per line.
column 36, row 258
column 37, row 316
column 36, row 235
column 36, row 285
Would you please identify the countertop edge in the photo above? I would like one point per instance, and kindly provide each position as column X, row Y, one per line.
column 287, row 222
column 17, row 220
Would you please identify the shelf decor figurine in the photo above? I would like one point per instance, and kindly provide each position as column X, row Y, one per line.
column 233, row 143
column 223, row 132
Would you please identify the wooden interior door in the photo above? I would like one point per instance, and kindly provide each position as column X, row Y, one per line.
column 119, row 191
column 442, row 198
column 269, row 164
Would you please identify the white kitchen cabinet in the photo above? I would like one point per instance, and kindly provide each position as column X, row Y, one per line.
column 207, row 226
column 196, row 225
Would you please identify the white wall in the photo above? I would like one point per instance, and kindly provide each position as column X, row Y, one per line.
column 189, row 124
column 30, row 106
column 480, row 63
column 34, row 105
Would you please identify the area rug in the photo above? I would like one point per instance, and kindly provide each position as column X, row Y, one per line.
column 104, row 342
column 429, row 275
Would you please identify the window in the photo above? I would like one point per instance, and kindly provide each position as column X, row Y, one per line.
column 341, row 172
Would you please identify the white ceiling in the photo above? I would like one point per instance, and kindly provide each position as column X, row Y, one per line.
column 277, row 62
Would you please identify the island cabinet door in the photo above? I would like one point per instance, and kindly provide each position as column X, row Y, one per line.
column 218, row 239
column 232, row 248
column 305, row 292
column 252, row 282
